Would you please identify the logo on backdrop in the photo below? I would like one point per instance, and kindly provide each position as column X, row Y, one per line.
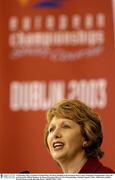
column 42, row 3
column 48, row 4
column 23, row 2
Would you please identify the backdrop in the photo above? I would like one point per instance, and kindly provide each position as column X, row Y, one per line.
column 52, row 49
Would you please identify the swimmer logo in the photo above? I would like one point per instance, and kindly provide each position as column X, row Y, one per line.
column 48, row 4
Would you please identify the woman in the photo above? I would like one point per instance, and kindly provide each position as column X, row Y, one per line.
column 73, row 136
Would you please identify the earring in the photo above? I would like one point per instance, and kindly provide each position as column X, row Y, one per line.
column 84, row 144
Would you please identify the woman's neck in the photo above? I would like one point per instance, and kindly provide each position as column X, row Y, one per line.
column 74, row 165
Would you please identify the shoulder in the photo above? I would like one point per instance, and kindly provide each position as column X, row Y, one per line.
column 104, row 169
column 93, row 165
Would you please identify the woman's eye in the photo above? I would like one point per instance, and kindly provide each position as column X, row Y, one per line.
column 66, row 126
column 51, row 129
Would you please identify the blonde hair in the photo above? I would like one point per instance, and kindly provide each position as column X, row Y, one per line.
column 88, row 120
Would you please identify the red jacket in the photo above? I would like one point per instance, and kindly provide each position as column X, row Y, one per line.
column 93, row 165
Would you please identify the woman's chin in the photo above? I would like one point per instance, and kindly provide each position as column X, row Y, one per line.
column 57, row 156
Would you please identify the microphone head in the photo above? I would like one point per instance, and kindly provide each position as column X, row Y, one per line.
column 25, row 171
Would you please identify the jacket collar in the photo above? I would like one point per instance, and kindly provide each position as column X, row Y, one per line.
column 91, row 166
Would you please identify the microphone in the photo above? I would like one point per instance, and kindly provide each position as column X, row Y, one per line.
column 25, row 171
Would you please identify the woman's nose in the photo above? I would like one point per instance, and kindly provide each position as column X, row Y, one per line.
column 57, row 133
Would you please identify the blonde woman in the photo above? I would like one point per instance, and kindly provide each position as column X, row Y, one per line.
column 73, row 135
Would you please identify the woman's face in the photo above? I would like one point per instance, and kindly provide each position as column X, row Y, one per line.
column 64, row 139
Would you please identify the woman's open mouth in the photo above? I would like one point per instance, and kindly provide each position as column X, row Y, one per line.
column 58, row 145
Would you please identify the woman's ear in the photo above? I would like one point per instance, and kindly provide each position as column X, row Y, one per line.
column 85, row 144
